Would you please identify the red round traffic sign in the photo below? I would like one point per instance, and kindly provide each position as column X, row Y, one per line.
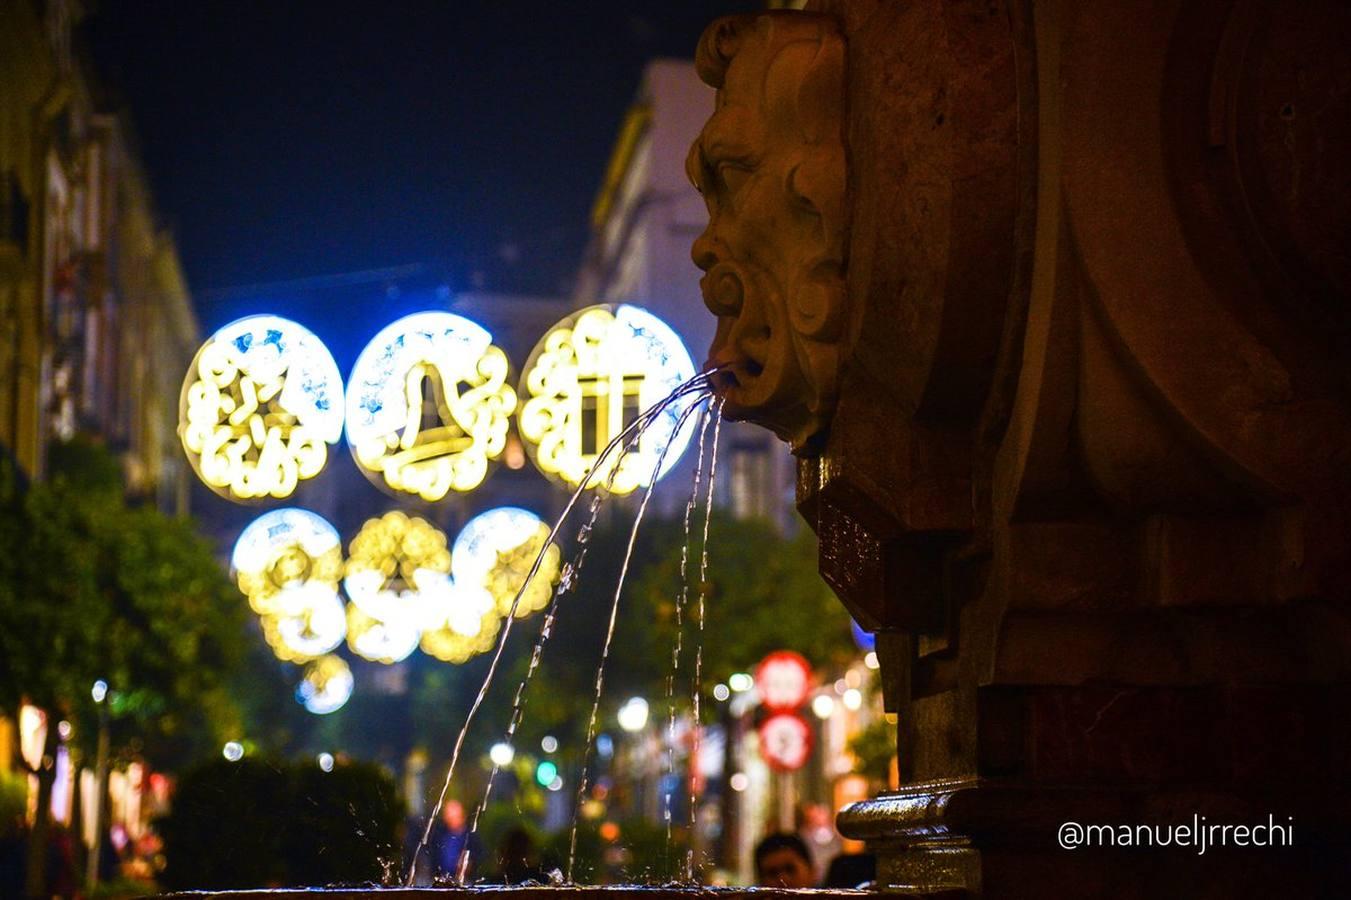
column 784, row 680
column 785, row 741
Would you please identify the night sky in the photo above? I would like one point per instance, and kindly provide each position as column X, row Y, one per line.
column 292, row 140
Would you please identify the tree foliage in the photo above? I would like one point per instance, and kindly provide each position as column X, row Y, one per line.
column 92, row 589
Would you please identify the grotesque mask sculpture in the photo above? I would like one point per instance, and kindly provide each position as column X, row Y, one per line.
column 770, row 165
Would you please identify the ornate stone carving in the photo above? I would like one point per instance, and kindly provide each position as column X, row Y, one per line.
column 770, row 164
column 1085, row 458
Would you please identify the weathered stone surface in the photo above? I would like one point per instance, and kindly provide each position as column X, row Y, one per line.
column 1088, row 469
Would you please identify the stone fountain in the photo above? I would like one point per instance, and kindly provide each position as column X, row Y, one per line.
column 1050, row 300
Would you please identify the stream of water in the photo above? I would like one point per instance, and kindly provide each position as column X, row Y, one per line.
column 582, row 783
column 699, row 385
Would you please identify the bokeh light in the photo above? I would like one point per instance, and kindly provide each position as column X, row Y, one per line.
column 326, row 685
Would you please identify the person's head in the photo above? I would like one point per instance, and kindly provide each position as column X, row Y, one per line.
column 781, row 860
column 516, row 856
column 452, row 815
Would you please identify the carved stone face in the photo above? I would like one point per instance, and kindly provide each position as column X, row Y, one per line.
column 770, row 164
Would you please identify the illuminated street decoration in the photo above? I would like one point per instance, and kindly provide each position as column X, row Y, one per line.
column 495, row 551
column 259, row 406
column 429, row 405
column 394, row 563
column 588, row 378
column 306, row 621
column 389, row 559
column 326, row 685
column 461, row 622
column 283, row 549
column 389, row 639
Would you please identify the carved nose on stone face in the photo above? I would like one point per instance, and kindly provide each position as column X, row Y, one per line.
column 702, row 252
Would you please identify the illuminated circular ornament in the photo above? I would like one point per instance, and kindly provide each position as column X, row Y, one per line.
column 461, row 622
column 389, row 560
column 384, row 640
column 496, row 549
column 429, row 405
column 326, row 685
column 282, row 549
column 587, row 379
column 307, row 621
column 259, row 407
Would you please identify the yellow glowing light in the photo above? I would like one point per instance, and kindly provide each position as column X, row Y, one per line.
column 326, row 685
column 385, row 640
column 496, row 550
column 461, row 622
column 260, row 404
column 389, row 559
column 393, row 564
column 587, row 379
column 430, row 405
column 306, row 621
column 283, row 549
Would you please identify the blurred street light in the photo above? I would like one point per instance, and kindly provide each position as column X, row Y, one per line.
column 633, row 714
column 823, row 705
column 853, row 699
column 741, row 681
column 502, row 754
column 233, row 751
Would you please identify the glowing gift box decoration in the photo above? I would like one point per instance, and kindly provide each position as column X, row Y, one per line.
column 587, row 379
column 326, row 685
column 260, row 405
column 429, row 405
column 495, row 551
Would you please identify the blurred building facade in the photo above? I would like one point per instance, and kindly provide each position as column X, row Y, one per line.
column 643, row 222
column 96, row 322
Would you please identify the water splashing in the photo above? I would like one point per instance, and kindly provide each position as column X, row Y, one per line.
column 697, row 686
column 568, row 580
column 697, row 385
column 609, row 635
column 677, row 646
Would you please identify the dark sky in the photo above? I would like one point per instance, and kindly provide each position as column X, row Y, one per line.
column 293, row 139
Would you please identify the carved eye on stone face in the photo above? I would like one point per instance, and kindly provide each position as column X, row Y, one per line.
column 732, row 176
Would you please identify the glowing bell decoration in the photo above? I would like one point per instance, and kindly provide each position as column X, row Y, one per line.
column 429, row 406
